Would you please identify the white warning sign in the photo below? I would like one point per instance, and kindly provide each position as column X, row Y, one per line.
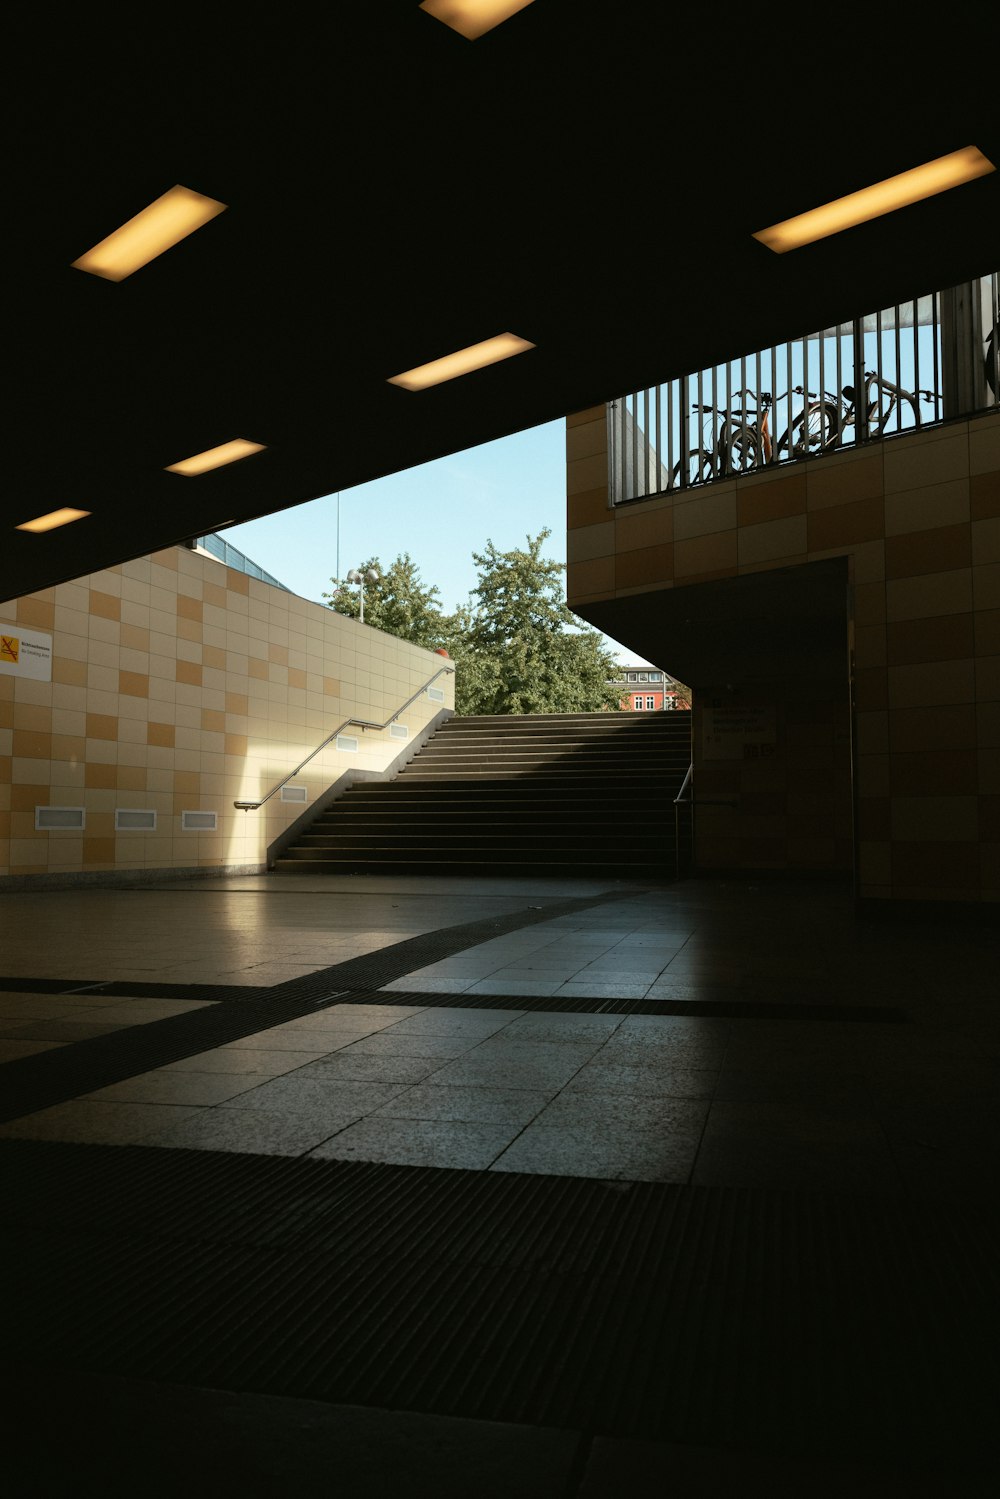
column 25, row 653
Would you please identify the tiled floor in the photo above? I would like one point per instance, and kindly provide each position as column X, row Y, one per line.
column 798, row 1097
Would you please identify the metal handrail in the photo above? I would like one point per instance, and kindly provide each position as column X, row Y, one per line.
column 358, row 723
column 680, row 800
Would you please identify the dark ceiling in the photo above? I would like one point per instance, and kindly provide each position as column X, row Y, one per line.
column 586, row 176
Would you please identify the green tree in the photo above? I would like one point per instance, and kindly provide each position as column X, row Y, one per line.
column 397, row 602
column 519, row 649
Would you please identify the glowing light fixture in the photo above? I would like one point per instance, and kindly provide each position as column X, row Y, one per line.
column 472, row 17
column 226, row 452
column 462, row 362
column 51, row 521
column 163, row 224
column 882, row 197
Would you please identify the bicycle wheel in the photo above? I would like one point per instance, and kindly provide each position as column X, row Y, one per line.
column 813, row 431
column 701, row 466
column 744, row 449
column 889, row 410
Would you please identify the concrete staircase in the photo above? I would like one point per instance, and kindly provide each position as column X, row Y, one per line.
column 560, row 794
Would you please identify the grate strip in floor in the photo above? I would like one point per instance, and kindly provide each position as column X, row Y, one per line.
column 712, row 1316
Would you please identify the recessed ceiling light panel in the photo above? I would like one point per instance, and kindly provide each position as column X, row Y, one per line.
column 53, row 520
column 882, row 197
column 226, row 452
column 163, row 224
column 462, row 362
column 471, row 18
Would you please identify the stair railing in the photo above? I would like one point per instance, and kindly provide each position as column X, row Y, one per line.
column 356, row 723
column 680, row 800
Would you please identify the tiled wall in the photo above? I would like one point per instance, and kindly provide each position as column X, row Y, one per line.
column 179, row 684
column 918, row 518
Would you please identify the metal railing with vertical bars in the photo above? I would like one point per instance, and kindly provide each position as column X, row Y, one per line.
column 905, row 367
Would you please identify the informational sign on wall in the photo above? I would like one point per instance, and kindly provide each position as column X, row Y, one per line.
column 25, row 653
column 738, row 731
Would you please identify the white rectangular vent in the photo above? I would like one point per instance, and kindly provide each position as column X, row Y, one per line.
column 347, row 742
column 134, row 820
column 398, row 731
column 436, row 694
column 53, row 819
column 294, row 794
column 199, row 822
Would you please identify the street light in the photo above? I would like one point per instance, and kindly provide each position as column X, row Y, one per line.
column 354, row 576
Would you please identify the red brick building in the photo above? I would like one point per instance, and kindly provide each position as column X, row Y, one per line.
column 647, row 689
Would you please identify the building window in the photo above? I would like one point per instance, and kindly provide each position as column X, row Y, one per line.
column 651, row 702
column 644, row 676
column 637, row 701
column 654, row 676
column 631, row 676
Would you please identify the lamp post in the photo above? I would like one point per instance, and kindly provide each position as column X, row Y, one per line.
column 354, row 576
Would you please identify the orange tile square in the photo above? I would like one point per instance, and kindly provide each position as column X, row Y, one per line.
column 38, row 614
column 984, row 495
column 948, row 637
column 102, row 726
column 98, row 851
column 105, row 605
column 238, row 702
column 588, row 509
column 31, row 744
column 652, row 564
column 189, row 672
column 213, row 721
column 774, row 500
column 133, row 684
column 101, row 777
column 712, row 554
column 936, row 551
column 844, row 525
column 162, row 734
column 189, row 608
column 987, row 624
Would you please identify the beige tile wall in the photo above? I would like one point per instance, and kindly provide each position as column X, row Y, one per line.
column 179, row 684
column 918, row 518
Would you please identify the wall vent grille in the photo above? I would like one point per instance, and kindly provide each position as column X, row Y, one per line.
column 199, row 822
column 348, row 743
column 135, row 820
column 436, row 694
column 398, row 731
column 56, row 819
column 294, row 794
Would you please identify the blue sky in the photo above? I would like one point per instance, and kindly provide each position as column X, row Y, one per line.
column 440, row 513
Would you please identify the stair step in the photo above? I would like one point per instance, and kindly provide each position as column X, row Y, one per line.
column 559, row 794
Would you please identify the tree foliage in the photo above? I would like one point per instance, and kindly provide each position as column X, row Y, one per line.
column 520, row 649
column 516, row 645
column 397, row 603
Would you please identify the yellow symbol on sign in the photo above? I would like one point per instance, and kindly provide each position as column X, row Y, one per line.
column 9, row 648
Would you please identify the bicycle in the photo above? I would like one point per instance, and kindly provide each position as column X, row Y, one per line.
column 744, row 442
column 882, row 402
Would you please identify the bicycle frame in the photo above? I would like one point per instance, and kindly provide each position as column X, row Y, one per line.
column 743, row 440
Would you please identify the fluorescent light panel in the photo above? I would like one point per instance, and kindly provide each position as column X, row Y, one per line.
column 226, row 452
column 882, row 197
column 164, row 223
column 462, row 362
column 471, row 18
column 54, row 519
